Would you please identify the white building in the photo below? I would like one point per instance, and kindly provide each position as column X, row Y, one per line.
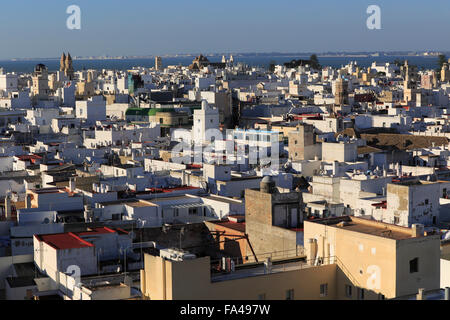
column 8, row 82
column 411, row 203
column 205, row 119
column 91, row 110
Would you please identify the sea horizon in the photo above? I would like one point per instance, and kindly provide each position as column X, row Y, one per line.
column 254, row 60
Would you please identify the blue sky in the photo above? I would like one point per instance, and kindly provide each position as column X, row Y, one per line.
column 37, row 28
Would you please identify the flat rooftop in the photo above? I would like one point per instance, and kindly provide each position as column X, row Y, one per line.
column 367, row 226
column 140, row 204
column 19, row 282
column 223, row 199
column 237, row 226
column 259, row 270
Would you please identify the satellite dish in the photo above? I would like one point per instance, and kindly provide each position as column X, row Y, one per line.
column 46, row 221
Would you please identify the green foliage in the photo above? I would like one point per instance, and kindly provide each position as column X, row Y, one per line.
column 441, row 60
column 315, row 62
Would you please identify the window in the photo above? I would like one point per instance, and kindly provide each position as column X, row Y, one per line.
column 193, row 211
column 324, row 290
column 290, row 294
column 161, row 120
column 295, row 142
column 414, row 265
column 360, row 294
column 262, row 296
column 426, row 201
column 348, row 291
column 396, row 220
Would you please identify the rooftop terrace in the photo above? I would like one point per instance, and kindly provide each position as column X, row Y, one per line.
column 367, row 226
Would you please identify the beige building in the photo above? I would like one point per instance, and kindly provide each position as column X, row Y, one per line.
column 164, row 279
column 410, row 90
column 86, row 89
column 40, row 89
column 445, row 73
column 349, row 259
column 272, row 221
column 302, row 143
column 340, row 151
column 377, row 257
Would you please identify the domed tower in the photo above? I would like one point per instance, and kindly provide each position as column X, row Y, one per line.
column 40, row 89
column 267, row 185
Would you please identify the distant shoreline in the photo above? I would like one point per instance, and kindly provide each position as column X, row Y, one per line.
column 275, row 54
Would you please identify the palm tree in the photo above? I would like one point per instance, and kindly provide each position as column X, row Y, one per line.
column 315, row 62
column 441, row 60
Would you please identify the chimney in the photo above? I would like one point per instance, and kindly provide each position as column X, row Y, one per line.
column 421, row 294
column 8, row 206
column 311, row 251
column 335, row 167
column 417, row 230
column 268, row 266
column 87, row 213
column 28, row 201
column 71, row 184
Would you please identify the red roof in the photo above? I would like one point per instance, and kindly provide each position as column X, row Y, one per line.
column 382, row 204
column 235, row 226
column 71, row 240
column 194, row 166
column 62, row 241
column 29, row 157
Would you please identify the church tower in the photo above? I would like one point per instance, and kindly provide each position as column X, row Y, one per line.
column 65, row 65
column 68, row 67
column 62, row 62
